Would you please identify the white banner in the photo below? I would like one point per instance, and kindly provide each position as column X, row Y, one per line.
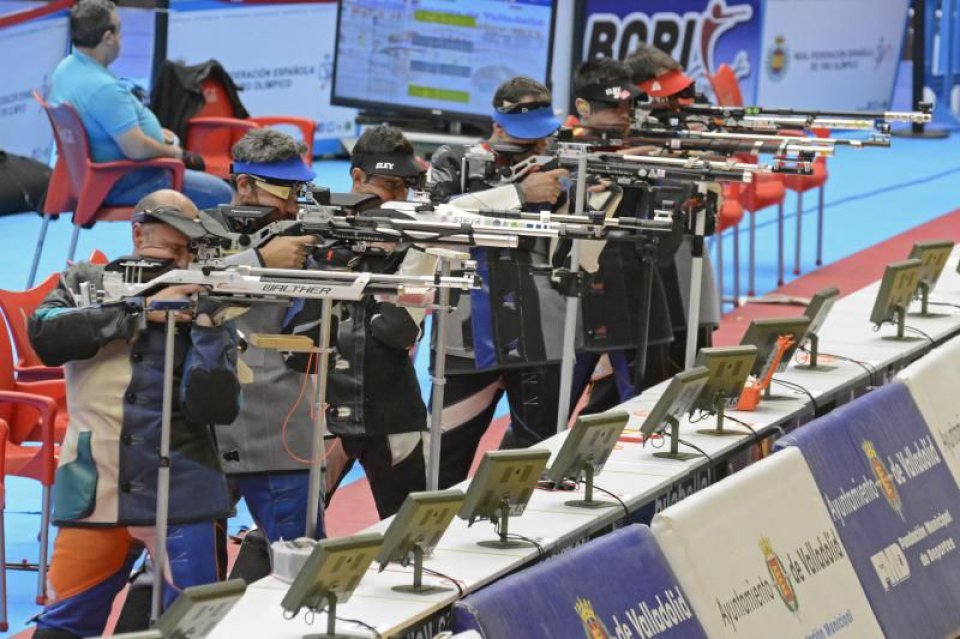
column 759, row 557
column 932, row 381
column 830, row 54
column 280, row 55
column 30, row 52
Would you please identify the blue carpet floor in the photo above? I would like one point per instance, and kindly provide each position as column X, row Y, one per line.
column 871, row 195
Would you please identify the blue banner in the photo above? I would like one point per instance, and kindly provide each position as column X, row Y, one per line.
column 894, row 503
column 617, row 586
column 700, row 34
column 942, row 65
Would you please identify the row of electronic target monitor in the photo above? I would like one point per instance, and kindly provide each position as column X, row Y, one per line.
column 854, row 537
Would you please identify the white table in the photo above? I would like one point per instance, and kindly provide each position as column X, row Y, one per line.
column 633, row 473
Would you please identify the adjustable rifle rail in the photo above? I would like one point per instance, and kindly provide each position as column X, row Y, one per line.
column 553, row 225
column 647, row 168
column 250, row 284
column 442, row 225
column 794, row 118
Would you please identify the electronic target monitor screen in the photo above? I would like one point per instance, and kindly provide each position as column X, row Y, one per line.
column 438, row 57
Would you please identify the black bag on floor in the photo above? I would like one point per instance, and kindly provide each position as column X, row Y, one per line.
column 23, row 182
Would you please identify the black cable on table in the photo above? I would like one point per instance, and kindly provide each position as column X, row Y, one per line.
column 733, row 419
column 455, row 582
column 816, row 406
column 943, row 304
column 914, row 329
column 541, row 553
column 698, row 449
column 867, row 366
column 361, row 623
column 626, row 511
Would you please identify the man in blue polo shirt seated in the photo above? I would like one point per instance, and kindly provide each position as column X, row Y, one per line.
column 118, row 126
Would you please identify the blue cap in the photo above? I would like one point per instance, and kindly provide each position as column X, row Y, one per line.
column 290, row 170
column 527, row 124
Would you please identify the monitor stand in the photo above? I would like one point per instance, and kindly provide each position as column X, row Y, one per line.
column 674, row 452
column 331, row 612
column 588, row 501
column 504, row 522
column 417, row 588
column 925, row 289
column 720, row 409
column 924, row 298
column 901, row 322
column 814, row 351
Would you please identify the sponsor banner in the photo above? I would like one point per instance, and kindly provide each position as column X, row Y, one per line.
column 759, row 557
column 281, row 56
column 37, row 46
column 932, row 381
column 700, row 34
column 895, row 504
column 616, row 587
column 942, row 71
column 680, row 490
column 830, row 54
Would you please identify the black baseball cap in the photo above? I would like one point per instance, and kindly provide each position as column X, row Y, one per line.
column 171, row 216
column 611, row 93
column 404, row 165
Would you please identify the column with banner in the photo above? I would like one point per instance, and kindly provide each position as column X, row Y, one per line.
column 37, row 46
column 700, row 34
column 830, row 54
column 281, row 55
column 942, row 70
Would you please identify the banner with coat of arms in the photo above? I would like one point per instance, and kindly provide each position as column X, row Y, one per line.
column 895, row 505
column 932, row 381
column 830, row 54
column 617, row 586
column 759, row 557
column 806, row 54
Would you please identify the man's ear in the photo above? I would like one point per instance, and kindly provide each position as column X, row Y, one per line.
column 358, row 176
column 244, row 186
column 137, row 236
column 583, row 108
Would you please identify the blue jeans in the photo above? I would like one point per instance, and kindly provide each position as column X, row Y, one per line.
column 278, row 503
column 90, row 566
column 583, row 371
column 205, row 190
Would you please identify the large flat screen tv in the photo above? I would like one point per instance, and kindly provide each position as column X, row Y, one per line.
column 438, row 58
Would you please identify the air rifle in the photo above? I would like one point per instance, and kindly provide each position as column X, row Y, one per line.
column 128, row 278
column 626, row 169
column 767, row 118
column 418, row 223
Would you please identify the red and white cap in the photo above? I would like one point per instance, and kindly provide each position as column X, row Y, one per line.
column 666, row 84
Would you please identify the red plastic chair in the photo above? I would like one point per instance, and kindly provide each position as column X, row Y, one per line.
column 215, row 129
column 765, row 190
column 98, row 257
column 4, row 626
column 801, row 184
column 31, row 419
column 81, row 185
column 16, row 307
column 730, row 215
column 213, row 138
